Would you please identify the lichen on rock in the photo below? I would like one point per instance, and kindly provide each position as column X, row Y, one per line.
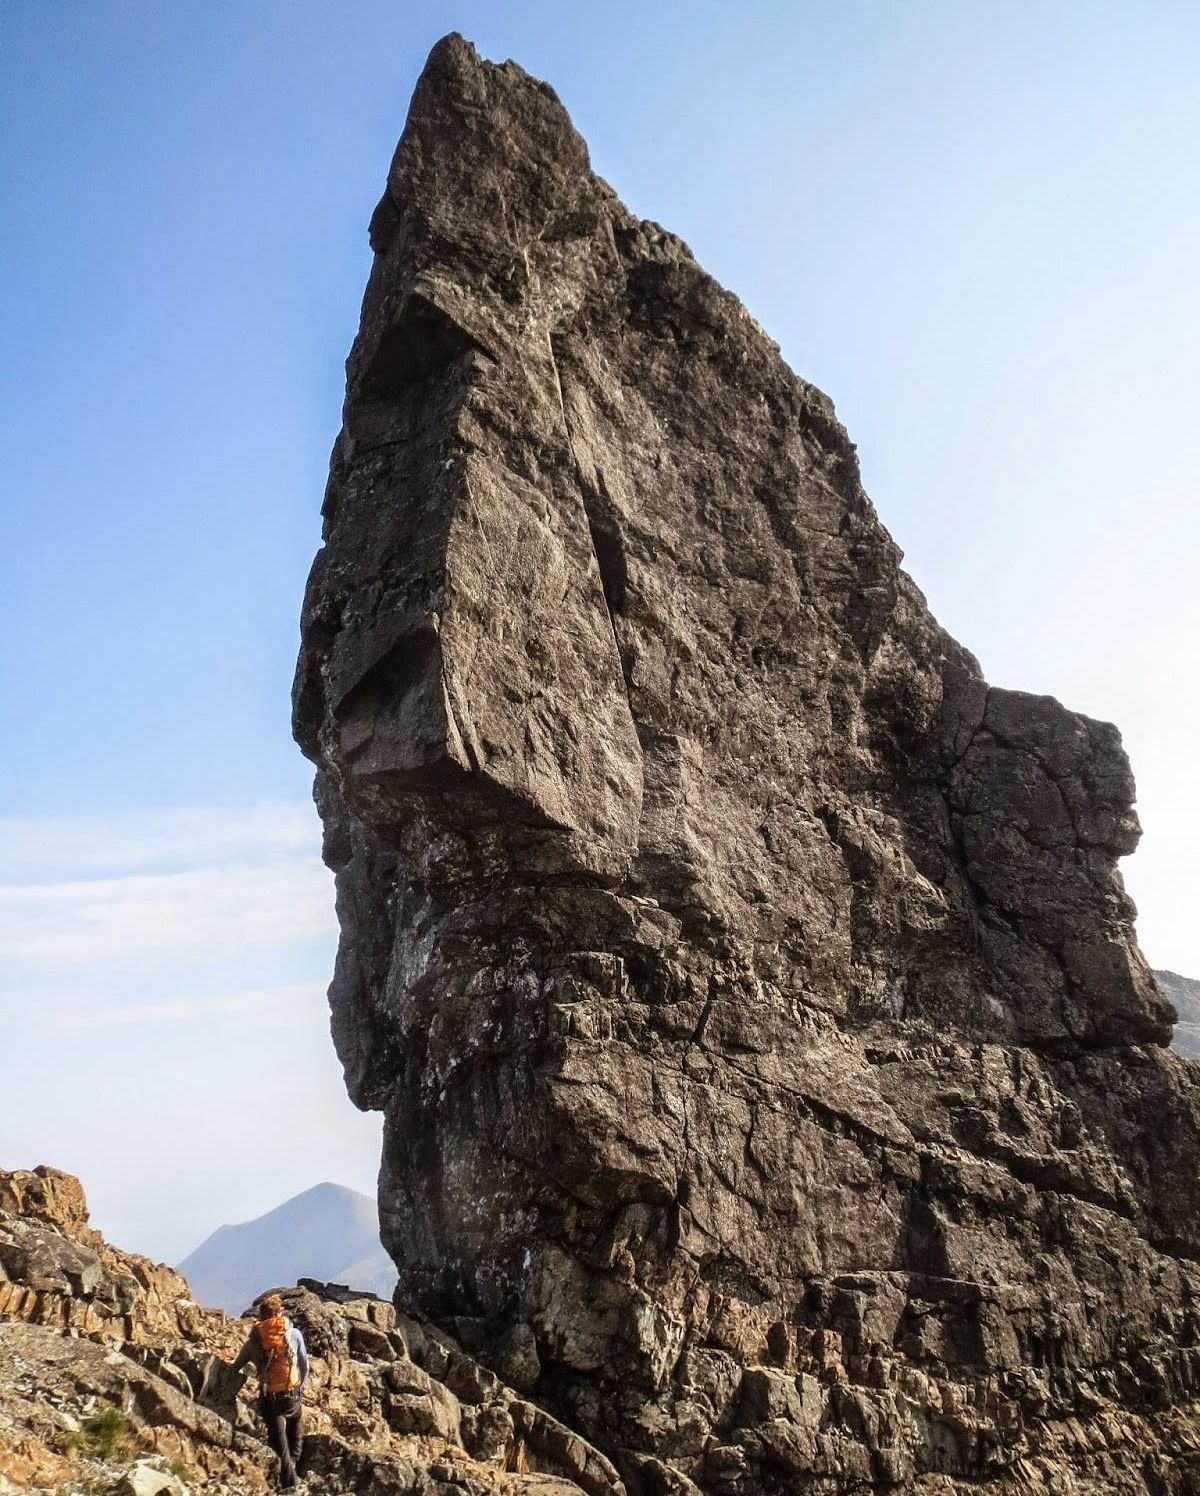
column 772, row 1079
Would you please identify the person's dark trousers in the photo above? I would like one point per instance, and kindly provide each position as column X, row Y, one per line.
column 281, row 1414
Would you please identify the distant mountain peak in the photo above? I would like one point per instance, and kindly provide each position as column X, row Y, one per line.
column 1184, row 993
column 327, row 1231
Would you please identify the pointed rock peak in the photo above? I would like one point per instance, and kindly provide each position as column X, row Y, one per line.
column 488, row 153
column 745, row 982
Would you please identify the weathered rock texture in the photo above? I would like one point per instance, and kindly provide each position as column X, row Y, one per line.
column 771, row 1074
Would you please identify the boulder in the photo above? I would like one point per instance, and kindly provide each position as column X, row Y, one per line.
column 147, row 1479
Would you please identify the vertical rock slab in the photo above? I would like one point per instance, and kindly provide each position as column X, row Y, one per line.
column 746, row 984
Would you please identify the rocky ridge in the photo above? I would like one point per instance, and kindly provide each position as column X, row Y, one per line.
column 98, row 1341
column 773, row 1084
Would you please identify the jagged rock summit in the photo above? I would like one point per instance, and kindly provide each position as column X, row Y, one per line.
column 773, row 1084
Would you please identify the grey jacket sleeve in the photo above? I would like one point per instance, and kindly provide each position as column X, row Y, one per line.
column 248, row 1353
column 301, row 1351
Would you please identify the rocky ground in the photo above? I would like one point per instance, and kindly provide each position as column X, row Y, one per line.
column 113, row 1380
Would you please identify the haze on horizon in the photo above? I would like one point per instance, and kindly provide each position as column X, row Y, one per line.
column 975, row 228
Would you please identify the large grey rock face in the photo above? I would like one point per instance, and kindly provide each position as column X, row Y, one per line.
column 771, row 1074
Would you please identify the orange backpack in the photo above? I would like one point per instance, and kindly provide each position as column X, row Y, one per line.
column 280, row 1374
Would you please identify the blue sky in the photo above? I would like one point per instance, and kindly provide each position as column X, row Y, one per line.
column 975, row 225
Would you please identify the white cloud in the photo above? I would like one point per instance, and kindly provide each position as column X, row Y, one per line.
column 172, row 966
column 125, row 921
column 55, row 848
column 290, row 1003
column 163, row 918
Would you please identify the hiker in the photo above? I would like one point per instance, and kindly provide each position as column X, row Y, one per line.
column 277, row 1350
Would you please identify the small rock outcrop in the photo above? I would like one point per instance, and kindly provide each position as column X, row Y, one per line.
column 773, row 1084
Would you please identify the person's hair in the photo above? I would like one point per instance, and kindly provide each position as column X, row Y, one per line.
column 269, row 1306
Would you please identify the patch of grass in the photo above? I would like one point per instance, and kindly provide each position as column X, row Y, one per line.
column 105, row 1434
